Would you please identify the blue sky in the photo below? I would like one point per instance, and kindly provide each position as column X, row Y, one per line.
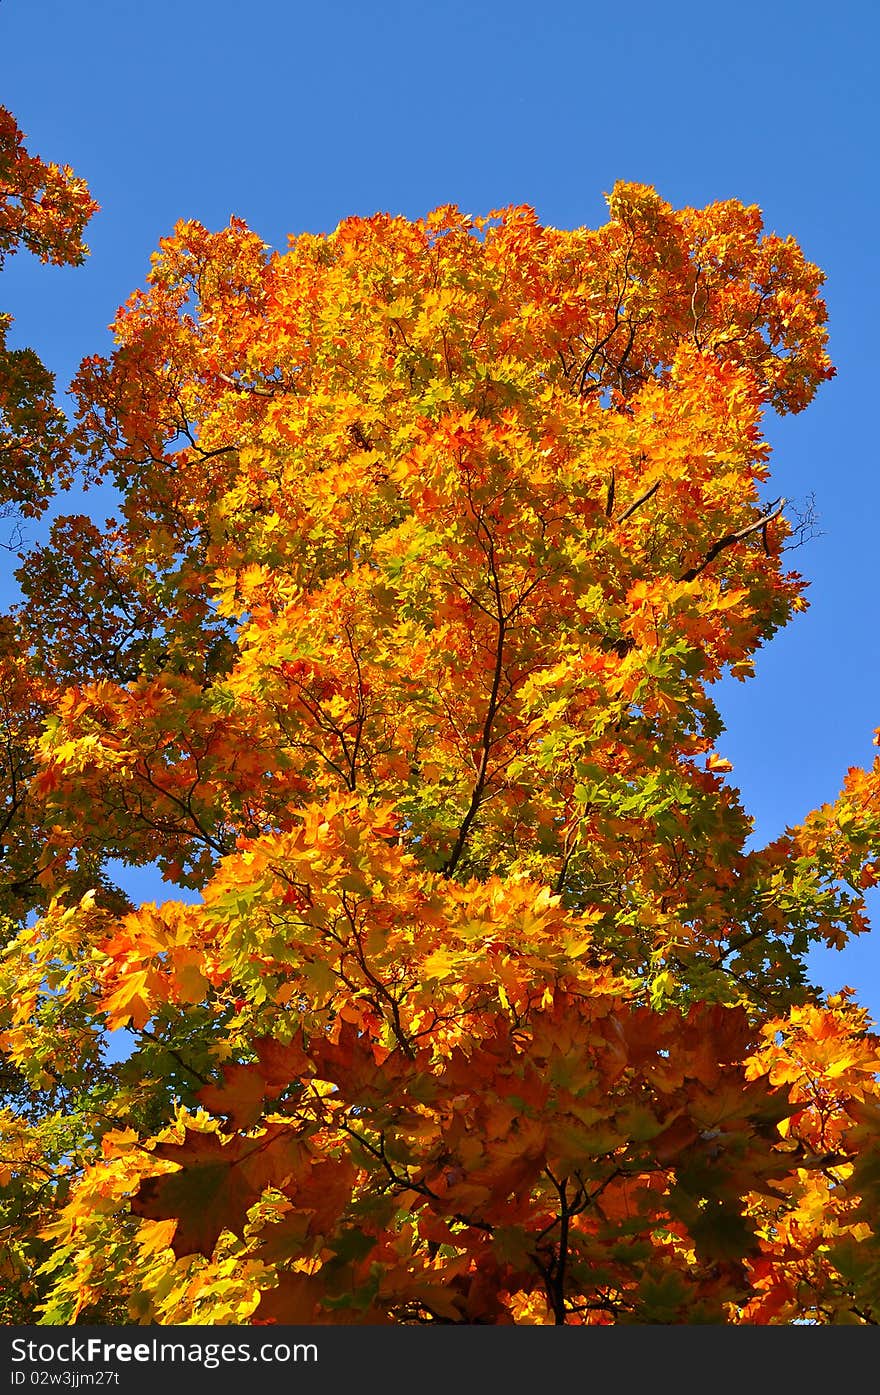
column 294, row 115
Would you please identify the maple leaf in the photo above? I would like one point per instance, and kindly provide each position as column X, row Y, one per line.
column 245, row 1089
column 130, row 1002
column 216, row 1184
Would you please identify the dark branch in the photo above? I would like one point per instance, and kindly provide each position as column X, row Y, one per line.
column 729, row 539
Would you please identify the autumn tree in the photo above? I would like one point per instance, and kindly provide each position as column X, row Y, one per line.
column 433, row 539
column 43, row 209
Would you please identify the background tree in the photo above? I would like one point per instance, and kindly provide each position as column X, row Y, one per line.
column 44, row 209
column 434, row 537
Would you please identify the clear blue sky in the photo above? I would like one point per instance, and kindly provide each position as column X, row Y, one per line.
column 295, row 115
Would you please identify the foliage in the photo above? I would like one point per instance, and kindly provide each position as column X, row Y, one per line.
column 434, row 537
column 44, row 208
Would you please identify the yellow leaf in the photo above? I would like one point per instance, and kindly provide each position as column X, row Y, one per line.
column 129, row 1003
column 440, row 964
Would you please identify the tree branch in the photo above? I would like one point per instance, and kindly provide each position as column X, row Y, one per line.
column 774, row 510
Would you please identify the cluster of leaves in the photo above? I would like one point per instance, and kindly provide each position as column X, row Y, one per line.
column 43, row 208
column 433, row 538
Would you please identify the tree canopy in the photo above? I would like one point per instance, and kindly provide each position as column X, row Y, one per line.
column 434, row 537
